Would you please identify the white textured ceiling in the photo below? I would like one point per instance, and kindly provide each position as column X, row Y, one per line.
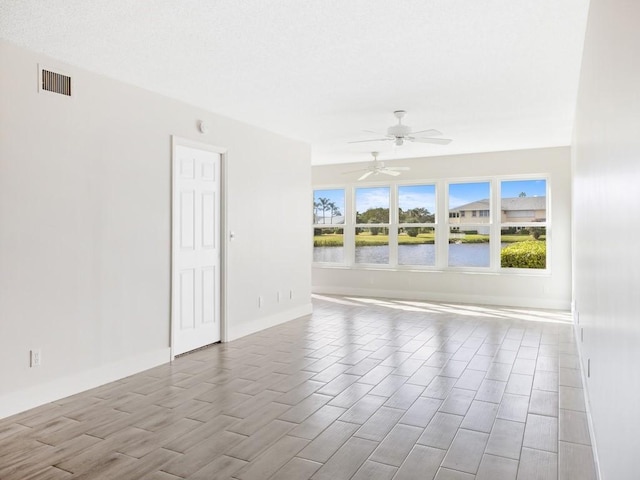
column 491, row 74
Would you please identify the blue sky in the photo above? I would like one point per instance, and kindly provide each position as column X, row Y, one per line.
column 533, row 188
column 410, row 196
column 336, row 196
column 375, row 197
column 416, row 196
column 463, row 193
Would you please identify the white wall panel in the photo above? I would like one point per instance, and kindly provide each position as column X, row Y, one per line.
column 85, row 231
column 549, row 290
column 187, row 294
column 209, row 289
column 208, row 172
column 187, row 220
column 208, row 220
column 187, row 168
column 606, row 170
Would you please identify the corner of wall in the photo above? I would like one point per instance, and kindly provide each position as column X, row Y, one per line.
column 247, row 328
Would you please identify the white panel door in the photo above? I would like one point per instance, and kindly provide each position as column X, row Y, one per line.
column 196, row 249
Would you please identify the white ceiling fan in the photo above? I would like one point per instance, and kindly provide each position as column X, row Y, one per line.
column 400, row 132
column 376, row 168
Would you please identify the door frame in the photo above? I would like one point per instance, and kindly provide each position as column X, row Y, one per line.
column 177, row 141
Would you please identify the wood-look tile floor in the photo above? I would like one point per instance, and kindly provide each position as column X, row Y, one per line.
column 362, row 389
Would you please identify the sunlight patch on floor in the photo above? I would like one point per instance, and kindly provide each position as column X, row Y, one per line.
column 486, row 311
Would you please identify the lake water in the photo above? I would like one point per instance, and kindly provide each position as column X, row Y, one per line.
column 460, row 255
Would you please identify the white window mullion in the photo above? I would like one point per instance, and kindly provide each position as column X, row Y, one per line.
column 442, row 228
column 350, row 230
column 393, row 226
column 495, row 229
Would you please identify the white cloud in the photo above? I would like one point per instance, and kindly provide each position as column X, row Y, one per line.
column 376, row 197
column 417, row 200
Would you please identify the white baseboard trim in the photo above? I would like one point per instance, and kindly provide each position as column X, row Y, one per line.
column 21, row 400
column 247, row 328
column 587, row 403
column 447, row 297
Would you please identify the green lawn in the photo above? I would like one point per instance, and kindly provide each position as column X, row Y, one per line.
column 366, row 239
column 328, row 240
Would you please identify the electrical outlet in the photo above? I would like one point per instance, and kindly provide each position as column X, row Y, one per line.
column 36, row 358
column 290, row 294
column 581, row 334
column 278, row 297
column 588, row 368
column 260, row 302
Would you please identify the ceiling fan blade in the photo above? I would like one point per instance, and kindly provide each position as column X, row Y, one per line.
column 371, row 131
column 399, row 169
column 388, row 171
column 429, row 133
column 365, row 175
column 372, row 140
column 439, row 141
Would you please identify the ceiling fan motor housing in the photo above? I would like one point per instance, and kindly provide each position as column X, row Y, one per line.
column 399, row 130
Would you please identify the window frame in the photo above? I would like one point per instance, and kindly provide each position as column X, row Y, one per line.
column 398, row 225
column 441, row 225
column 473, row 224
column 546, row 224
column 315, row 226
column 371, row 225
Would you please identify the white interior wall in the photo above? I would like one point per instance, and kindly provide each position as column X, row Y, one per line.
column 606, row 172
column 85, row 228
column 551, row 290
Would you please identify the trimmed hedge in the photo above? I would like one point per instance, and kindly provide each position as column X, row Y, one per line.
column 529, row 254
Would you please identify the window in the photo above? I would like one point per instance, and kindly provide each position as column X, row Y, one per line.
column 372, row 225
column 469, row 238
column 328, row 226
column 523, row 224
column 416, row 225
column 498, row 225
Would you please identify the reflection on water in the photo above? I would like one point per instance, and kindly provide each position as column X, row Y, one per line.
column 469, row 255
column 424, row 254
column 460, row 255
column 328, row 254
column 374, row 254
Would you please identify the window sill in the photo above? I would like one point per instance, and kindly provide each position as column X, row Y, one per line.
column 431, row 269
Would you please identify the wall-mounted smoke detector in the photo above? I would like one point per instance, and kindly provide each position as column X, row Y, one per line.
column 53, row 81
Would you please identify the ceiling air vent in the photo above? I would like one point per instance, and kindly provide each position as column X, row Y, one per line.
column 55, row 82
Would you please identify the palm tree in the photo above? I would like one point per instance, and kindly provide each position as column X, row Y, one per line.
column 334, row 211
column 316, row 206
column 324, row 205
